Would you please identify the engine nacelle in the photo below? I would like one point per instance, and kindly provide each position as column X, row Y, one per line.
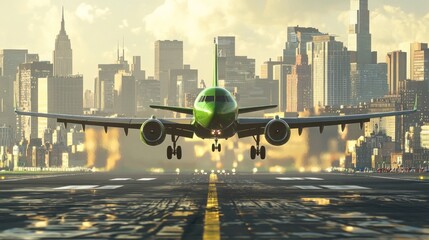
column 277, row 132
column 152, row 132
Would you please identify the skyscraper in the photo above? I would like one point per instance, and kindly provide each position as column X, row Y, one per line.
column 419, row 62
column 396, row 70
column 226, row 46
column 125, row 93
column 27, row 94
column 105, row 82
column 182, row 81
column 58, row 94
column 10, row 60
column 63, row 55
column 168, row 55
column 234, row 71
column 359, row 36
column 368, row 79
column 299, row 88
column 297, row 39
column 330, row 71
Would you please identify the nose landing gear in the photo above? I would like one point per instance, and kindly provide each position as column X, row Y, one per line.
column 257, row 151
column 216, row 146
column 174, row 150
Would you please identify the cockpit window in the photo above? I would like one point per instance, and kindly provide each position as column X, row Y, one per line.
column 221, row 99
column 209, row 99
column 201, row 99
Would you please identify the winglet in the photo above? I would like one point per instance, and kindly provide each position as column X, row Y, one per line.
column 415, row 104
column 215, row 65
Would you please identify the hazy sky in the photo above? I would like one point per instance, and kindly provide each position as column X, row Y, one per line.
column 96, row 26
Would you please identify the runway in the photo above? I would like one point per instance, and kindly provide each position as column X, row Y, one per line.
column 190, row 206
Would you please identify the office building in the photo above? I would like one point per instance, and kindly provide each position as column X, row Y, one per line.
column 226, row 46
column 10, row 59
column 396, row 70
column 267, row 68
column 58, row 94
column 136, row 69
column 280, row 73
column 63, row 54
column 391, row 126
column 297, row 39
column 367, row 81
column 419, row 62
column 168, row 55
column 299, row 88
column 27, row 94
column 233, row 70
column 182, row 81
column 147, row 93
column 104, row 86
column 409, row 90
column 330, row 71
column 359, row 37
column 6, row 136
column 88, row 101
column 125, row 94
column 415, row 72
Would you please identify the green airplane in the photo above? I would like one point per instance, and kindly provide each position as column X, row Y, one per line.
column 216, row 115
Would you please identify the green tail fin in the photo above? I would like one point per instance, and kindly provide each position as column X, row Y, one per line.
column 215, row 66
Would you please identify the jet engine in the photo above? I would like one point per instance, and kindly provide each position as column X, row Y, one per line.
column 277, row 132
column 152, row 132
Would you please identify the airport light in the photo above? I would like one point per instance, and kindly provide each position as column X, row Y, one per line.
column 255, row 170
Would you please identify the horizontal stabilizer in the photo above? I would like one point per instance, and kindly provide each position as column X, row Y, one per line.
column 255, row 109
column 189, row 111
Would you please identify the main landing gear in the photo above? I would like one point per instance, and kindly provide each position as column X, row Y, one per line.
column 216, row 146
column 257, row 151
column 173, row 150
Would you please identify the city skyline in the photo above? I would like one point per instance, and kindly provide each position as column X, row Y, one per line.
column 95, row 28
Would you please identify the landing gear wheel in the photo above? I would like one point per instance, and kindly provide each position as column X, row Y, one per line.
column 213, row 147
column 218, row 148
column 179, row 152
column 262, row 152
column 252, row 152
column 169, row 152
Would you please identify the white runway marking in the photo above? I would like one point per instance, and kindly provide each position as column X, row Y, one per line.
column 120, row 179
column 314, row 178
column 307, row 187
column 289, row 178
column 146, row 179
column 40, row 177
column 343, row 187
column 109, row 187
column 76, row 187
column 392, row 178
column 299, row 178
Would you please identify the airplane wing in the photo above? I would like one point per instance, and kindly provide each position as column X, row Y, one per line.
column 251, row 126
column 184, row 110
column 255, row 109
column 180, row 126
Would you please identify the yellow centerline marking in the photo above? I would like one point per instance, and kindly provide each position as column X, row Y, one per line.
column 211, row 219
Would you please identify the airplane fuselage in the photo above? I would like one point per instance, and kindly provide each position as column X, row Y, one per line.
column 215, row 113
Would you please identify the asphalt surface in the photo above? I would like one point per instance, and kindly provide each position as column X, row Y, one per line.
column 240, row 206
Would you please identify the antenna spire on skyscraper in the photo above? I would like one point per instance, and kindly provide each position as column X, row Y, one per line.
column 117, row 51
column 62, row 20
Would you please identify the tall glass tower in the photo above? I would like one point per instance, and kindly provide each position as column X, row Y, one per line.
column 359, row 36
